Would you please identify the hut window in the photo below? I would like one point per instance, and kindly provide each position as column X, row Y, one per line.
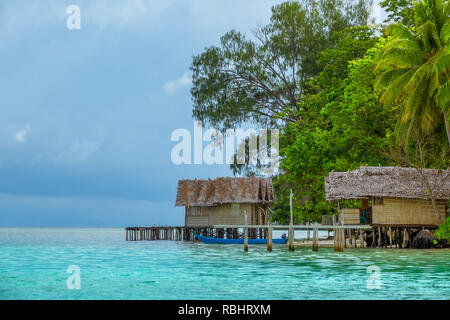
column 235, row 209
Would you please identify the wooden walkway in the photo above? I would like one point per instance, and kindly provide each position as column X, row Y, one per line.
column 340, row 232
column 187, row 233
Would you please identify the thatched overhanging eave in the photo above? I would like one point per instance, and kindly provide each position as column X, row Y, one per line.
column 368, row 182
column 224, row 191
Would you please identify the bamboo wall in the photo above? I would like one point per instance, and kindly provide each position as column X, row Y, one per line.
column 351, row 216
column 223, row 214
column 397, row 211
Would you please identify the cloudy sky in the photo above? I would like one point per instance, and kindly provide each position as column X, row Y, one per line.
column 86, row 115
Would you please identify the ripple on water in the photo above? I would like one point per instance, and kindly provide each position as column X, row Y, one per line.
column 33, row 265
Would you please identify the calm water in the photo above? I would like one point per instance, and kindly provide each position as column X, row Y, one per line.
column 34, row 262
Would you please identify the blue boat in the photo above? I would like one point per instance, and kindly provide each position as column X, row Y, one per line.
column 238, row 241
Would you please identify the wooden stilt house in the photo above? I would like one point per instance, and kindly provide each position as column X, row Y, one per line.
column 390, row 196
column 224, row 201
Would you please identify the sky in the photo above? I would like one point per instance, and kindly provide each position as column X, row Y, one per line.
column 86, row 115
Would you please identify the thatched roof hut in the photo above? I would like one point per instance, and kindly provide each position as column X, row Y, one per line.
column 224, row 190
column 367, row 182
column 225, row 200
column 399, row 196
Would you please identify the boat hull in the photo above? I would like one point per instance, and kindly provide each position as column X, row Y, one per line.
column 237, row 241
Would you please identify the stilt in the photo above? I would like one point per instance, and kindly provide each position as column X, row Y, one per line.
column 373, row 237
column 361, row 236
column 315, row 246
column 405, row 238
column 335, row 239
column 390, row 237
column 308, row 237
column 379, row 237
column 291, row 239
column 269, row 239
column 291, row 225
column 338, row 240
column 245, row 234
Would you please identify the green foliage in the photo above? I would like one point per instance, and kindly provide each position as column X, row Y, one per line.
column 443, row 232
column 342, row 127
column 414, row 69
column 341, row 95
column 399, row 11
column 246, row 80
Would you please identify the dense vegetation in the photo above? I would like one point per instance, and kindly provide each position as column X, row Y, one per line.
column 343, row 91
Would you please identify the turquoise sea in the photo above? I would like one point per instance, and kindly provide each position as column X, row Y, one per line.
column 34, row 264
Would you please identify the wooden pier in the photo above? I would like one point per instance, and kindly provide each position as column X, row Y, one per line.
column 186, row 233
column 342, row 233
column 344, row 236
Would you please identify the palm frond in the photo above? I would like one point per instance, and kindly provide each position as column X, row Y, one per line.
column 403, row 58
column 400, row 31
column 443, row 60
column 443, row 97
column 386, row 78
column 405, row 44
column 445, row 33
column 396, row 89
column 430, row 36
column 424, row 72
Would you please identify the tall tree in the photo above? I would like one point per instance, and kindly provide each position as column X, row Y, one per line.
column 342, row 126
column 415, row 66
column 258, row 79
column 399, row 11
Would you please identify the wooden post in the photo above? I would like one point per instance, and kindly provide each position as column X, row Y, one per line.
column 334, row 239
column 291, row 225
column 315, row 246
column 373, row 237
column 335, row 234
column 308, row 237
column 390, row 237
column 361, row 236
column 405, row 238
column 269, row 239
column 339, row 239
column 245, row 233
column 379, row 237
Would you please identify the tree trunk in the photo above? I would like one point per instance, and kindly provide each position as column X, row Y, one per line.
column 436, row 211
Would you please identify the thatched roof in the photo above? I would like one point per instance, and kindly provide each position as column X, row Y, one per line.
column 224, row 190
column 367, row 182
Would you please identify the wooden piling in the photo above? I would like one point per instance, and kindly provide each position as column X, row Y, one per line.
column 291, row 239
column 245, row 233
column 405, row 238
column 269, row 239
column 291, row 225
column 361, row 237
column 335, row 237
column 390, row 237
column 315, row 246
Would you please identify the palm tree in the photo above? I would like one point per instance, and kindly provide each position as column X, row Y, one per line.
column 414, row 68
